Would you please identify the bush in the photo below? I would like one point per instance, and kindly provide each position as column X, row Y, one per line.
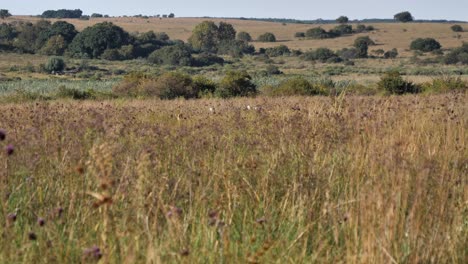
column 277, row 51
column 456, row 28
column 320, row 54
column 366, row 39
column 391, row 54
column 295, row 86
column 444, row 84
column 178, row 55
column 55, row 64
column 244, row 36
column 235, row 48
column 207, row 59
column 425, row 44
column 393, row 83
column 300, row 35
column 94, row 40
column 341, row 30
column 236, row 83
column 203, row 85
column 458, row 55
column 348, row 54
column 170, row 86
column 267, row 37
column 272, row 70
column 362, row 46
column 111, row 55
column 64, row 92
column 317, row 33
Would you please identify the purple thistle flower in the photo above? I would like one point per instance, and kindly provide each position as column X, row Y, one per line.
column 10, row 149
column 2, row 134
column 93, row 252
column 41, row 221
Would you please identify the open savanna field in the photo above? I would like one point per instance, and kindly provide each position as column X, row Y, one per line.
column 343, row 179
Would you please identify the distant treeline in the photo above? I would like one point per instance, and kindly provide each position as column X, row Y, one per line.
column 333, row 21
column 62, row 13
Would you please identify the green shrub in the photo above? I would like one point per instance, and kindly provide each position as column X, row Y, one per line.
column 73, row 93
column 404, row 17
column 267, row 37
column 178, row 55
column 445, row 84
column 341, row 30
column 207, row 59
column 244, row 36
column 235, row 48
column 391, row 54
column 111, row 55
column 317, row 33
column 203, row 86
column 277, row 51
column 458, row 55
column 295, row 86
column 425, row 44
column 236, row 83
column 320, row 54
column 299, row 35
column 55, row 64
column 457, row 28
column 393, row 83
column 170, row 85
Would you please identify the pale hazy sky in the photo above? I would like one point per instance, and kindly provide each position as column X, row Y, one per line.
column 299, row 9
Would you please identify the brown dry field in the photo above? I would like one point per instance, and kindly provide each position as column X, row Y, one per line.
column 387, row 35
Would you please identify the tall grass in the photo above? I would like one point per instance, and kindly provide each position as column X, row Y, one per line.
column 293, row 180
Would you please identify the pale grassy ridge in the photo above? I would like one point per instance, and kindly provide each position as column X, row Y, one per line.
column 295, row 180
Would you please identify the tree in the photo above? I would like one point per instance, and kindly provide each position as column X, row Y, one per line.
column 4, row 13
column 226, row 32
column 393, row 83
column 94, row 40
column 456, row 28
column 425, row 44
column 362, row 46
column 56, row 45
column 267, row 37
column 204, row 37
column 342, row 20
column 96, row 15
column 244, row 36
column 64, row 29
column 62, row 13
column 404, row 17
column 171, row 15
column 366, row 39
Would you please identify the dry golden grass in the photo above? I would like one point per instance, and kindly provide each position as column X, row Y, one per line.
column 299, row 180
column 388, row 35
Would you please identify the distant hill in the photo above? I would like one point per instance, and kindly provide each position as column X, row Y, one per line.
column 333, row 21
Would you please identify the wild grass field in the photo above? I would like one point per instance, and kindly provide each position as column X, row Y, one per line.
column 133, row 160
column 252, row 180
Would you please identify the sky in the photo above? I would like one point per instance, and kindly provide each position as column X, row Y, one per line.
column 297, row 9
